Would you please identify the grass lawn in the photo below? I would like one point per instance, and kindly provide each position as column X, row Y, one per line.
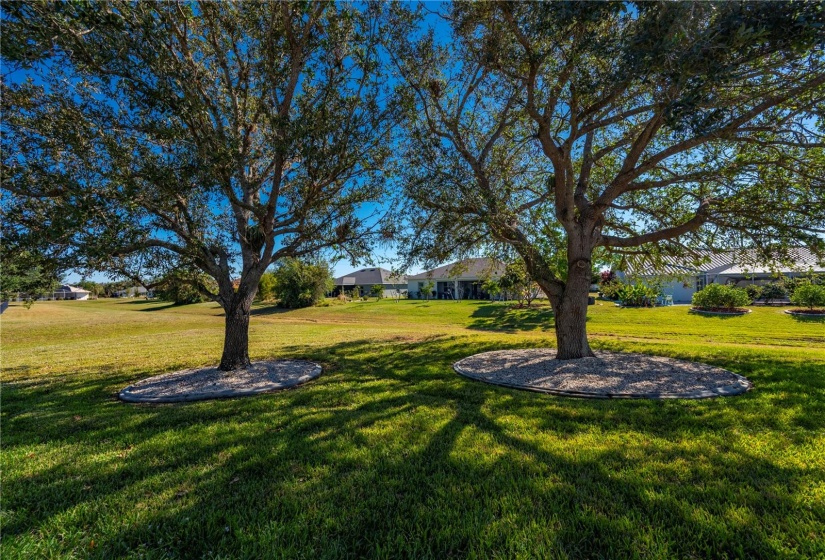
column 390, row 454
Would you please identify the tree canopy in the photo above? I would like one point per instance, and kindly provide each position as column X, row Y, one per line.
column 565, row 131
column 222, row 136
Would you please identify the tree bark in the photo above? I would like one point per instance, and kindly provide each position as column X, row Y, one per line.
column 236, row 337
column 571, row 309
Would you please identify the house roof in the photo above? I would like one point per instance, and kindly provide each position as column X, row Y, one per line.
column 71, row 289
column 464, row 269
column 370, row 276
column 740, row 261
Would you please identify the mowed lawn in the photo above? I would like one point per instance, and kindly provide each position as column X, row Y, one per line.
column 390, row 454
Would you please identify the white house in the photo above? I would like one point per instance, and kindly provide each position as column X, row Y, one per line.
column 366, row 278
column 739, row 268
column 71, row 292
column 459, row 280
column 134, row 291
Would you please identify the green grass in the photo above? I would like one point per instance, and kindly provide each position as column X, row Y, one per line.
column 390, row 454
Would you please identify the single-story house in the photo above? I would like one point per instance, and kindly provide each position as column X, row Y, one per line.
column 459, row 280
column 366, row 278
column 134, row 291
column 71, row 292
column 683, row 278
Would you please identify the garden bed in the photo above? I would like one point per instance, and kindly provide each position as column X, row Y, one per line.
column 806, row 312
column 720, row 310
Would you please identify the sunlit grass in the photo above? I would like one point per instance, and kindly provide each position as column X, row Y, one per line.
column 390, row 454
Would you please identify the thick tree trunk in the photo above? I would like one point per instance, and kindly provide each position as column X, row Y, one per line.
column 236, row 338
column 571, row 310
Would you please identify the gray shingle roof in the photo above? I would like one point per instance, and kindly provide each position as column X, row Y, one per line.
column 370, row 276
column 468, row 268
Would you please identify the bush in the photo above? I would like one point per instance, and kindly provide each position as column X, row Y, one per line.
column 611, row 290
column 637, row 295
column 377, row 291
column 809, row 295
column 266, row 287
column 299, row 284
column 182, row 287
column 754, row 291
column 717, row 295
column 773, row 291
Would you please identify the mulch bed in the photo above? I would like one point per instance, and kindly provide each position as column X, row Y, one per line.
column 807, row 312
column 607, row 375
column 721, row 310
column 211, row 383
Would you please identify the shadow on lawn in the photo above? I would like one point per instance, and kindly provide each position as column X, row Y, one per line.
column 390, row 453
column 507, row 318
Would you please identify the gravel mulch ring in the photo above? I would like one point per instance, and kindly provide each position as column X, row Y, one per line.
column 211, row 383
column 608, row 375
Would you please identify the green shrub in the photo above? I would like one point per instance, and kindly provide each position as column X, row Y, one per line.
column 809, row 295
column 718, row 295
column 773, row 291
column 637, row 295
column 184, row 286
column 377, row 291
column 299, row 284
column 610, row 290
column 754, row 291
column 266, row 287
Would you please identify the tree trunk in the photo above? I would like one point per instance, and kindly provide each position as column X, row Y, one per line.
column 571, row 312
column 236, row 338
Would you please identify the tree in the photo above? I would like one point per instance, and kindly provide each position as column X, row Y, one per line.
column 809, row 295
column 575, row 133
column 517, row 282
column 299, row 284
column 26, row 273
column 377, row 291
column 184, row 286
column 223, row 137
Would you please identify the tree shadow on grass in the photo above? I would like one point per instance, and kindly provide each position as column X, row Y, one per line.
column 390, row 453
column 500, row 317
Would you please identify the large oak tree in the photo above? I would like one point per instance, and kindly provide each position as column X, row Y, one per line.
column 564, row 130
column 141, row 137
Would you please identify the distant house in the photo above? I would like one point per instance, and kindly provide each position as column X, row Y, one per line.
column 459, row 280
column 366, row 278
column 71, row 292
column 739, row 268
column 134, row 291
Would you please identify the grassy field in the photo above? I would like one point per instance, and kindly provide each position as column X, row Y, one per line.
column 390, row 454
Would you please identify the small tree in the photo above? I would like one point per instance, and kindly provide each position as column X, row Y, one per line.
column 299, row 284
column 809, row 295
column 427, row 289
column 517, row 282
column 377, row 291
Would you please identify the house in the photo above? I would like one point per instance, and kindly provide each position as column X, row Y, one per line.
column 71, row 292
column 459, row 280
column 134, row 291
column 366, row 278
column 682, row 278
